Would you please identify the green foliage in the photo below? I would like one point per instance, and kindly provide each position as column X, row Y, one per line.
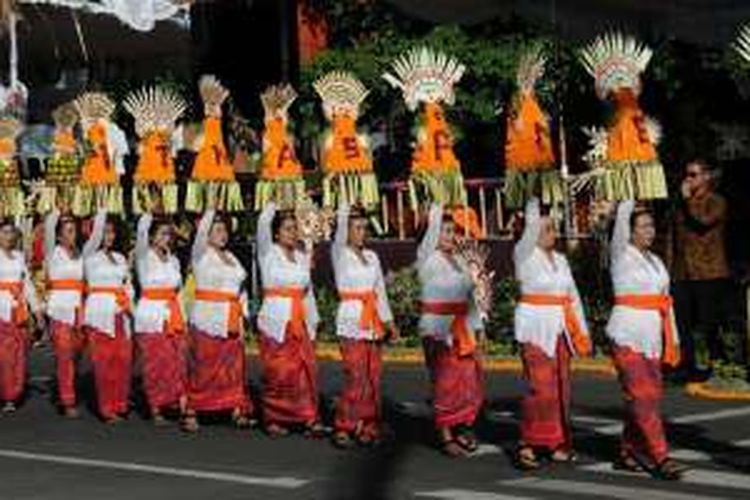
column 328, row 303
column 404, row 293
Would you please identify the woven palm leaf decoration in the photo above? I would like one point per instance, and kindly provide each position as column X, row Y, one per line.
column 12, row 201
column 62, row 171
column 529, row 155
column 631, row 168
column 280, row 179
column 156, row 111
column 104, row 146
column 212, row 182
column 427, row 78
column 346, row 157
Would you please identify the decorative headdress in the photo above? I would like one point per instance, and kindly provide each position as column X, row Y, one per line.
column 154, row 109
column 616, row 61
column 346, row 158
column 65, row 116
column 277, row 99
column 631, row 167
column 212, row 181
column 281, row 172
column 529, row 155
column 93, row 106
column 341, row 92
column 424, row 75
column 213, row 93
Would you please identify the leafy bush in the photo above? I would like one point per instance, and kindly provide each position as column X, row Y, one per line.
column 404, row 294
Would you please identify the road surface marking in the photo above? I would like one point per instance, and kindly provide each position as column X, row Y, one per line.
column 600, row 489
column 685, row 419
column 702, row 477
column 274, row 482
column 455, row 494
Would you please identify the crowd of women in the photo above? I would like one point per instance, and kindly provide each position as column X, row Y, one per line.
column 197, row 364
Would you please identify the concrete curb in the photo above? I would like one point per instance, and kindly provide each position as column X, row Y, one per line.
column 703, row 391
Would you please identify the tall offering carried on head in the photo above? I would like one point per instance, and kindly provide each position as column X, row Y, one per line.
column 156, row 111
column 529, row 156
column 346, row 157
column 630, row 166
column 11, row 195
column 212, row 182
column 281, row 179
column 427, row 78
column 104, row 147
column 62, row 172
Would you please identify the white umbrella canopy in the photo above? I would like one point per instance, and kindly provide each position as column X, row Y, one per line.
column 141, row 15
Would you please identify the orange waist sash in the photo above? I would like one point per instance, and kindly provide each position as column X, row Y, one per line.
column 579, row 339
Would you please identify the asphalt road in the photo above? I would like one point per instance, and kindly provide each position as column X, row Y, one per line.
column 43, row 456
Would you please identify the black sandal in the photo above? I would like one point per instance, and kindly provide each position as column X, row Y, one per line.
column 669, row 470
column 276, row 431
column 627, row 462
column 314, row 430
column 342, row 440
column 189, row 423
column 526, row 459
column 466, row 438
column 452, row 448
column 561, row 456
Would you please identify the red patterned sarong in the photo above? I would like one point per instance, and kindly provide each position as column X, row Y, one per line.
column 68, row 342
column 640, row 377
column 457, row 384
column 112, row 359
column 164, row 361
column 290, row 388
column 547, row 401
column 359, row 401
column 13, row 347
column 217, row 373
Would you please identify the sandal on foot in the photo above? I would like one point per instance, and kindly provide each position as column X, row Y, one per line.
column 241, row 420
column 468, row 441
column 71, row 412
column 452, row 448
column 276, row 431
column 189, row 423
column 342, row 440
column 560, row 456
column 669, row 470
column 314, row 430
column 626, row 462
column 526, row 459
column 9, row 408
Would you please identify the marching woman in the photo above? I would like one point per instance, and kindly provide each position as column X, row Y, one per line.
column 449, row 325
column 643, row 332
column 550, row 327
column 107, row 316
column 17, row 299
column 217, row 374
column 65, row 288
column 363, row 321
column 159, row 322
column 287, row 323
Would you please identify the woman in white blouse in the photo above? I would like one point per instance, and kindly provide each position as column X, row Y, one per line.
column 18, row 300
column 287, row 323
column 65, row 291
column 107, row 317
column 550, row 327
column 364, row 320
column 159, row 322
column 644, row 334
column 449, row 326
column 217, row 372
